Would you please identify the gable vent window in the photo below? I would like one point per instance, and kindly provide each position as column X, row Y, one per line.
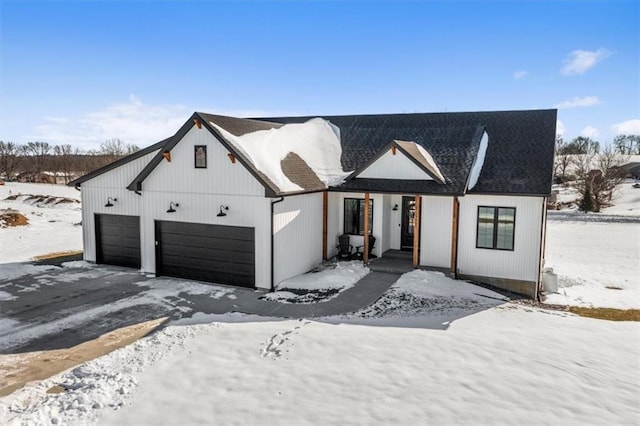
column 496, row 228
column 200, row 156
column 354, row 216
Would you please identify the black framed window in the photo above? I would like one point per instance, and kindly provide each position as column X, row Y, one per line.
column 496, row 228
column 354, row 216
column 200, row 156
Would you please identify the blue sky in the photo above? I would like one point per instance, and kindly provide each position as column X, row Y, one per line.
column 81, row 72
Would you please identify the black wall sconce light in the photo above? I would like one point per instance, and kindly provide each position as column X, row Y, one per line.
column 171, row 207
column 395, row 208
column 110, row 201
column 223, row 208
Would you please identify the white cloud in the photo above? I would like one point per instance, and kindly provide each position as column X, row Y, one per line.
column 580, row 61
column 560, row 129
column 629, row 127
column 590, row 132
column 585, row 101
column 134, row 122
column 519, row 75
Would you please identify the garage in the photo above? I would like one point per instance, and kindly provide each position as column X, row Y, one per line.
column 211, row 253
column 118, row 240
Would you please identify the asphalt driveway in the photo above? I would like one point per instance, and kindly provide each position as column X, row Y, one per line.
column 56, row 307
column 46, row 307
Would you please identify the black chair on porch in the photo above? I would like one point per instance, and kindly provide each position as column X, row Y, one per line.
column 345, row 249
column 360, row 249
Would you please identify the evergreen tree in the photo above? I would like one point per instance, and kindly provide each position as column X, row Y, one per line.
column 586, row 204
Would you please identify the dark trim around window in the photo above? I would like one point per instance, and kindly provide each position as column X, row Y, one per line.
column 491, row 230
column 353, row 223
column 200, row 156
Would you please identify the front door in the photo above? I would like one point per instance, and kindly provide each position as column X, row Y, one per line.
column 408, row 223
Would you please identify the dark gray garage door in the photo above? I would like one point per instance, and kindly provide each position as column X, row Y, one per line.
column 212, row 253
column 118, row 240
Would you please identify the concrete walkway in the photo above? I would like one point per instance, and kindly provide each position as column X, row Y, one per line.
column 365, row 292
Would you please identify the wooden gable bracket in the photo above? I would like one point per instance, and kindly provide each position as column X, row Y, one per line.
column 393, row 150
column 197, row 122
column 167, row 156
column 232, row 158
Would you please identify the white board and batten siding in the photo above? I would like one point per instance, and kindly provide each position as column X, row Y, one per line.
column 391, row 166
column 201, row 192
column 521, row 264
column 297, row 227
column 112, row 184
column 334, row 225
column 436, row 222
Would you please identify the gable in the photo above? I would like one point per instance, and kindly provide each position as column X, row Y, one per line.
column 220, row 176
column 394, row 164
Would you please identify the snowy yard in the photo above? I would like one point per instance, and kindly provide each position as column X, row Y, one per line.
column 598, row 264
column 431, row 350
column 54, row 226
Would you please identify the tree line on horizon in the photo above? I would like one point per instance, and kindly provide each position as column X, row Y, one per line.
column 39, row 161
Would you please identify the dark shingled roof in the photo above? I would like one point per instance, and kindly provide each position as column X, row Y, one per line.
column 519, row 158
column 239, row 126
column 453, row 149
column 298, row 171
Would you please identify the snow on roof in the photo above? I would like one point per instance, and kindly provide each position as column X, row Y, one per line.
column 479, row 161
column 316, row 141
column 427, row 160
column 433, row 167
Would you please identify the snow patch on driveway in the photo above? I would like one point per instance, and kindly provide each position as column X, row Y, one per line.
column 321, row 286
column 10, row 271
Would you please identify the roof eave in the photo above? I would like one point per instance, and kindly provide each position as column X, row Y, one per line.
column 79, row 181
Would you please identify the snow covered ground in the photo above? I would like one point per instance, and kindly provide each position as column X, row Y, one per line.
column 598, row 264
column 431, row 350
column 463, row 355
column 625, row 199
column 52, row 227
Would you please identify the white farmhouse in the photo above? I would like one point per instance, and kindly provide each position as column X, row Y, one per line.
column 252, row 202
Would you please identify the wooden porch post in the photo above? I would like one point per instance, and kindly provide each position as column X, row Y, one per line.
column 416, row 232
column 454, row 235
column 365, row 255
column 325, row 216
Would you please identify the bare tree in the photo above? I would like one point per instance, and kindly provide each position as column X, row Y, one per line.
column 627, row 144
column 598, row 174
column 562, row 161
column 66, row 162
column 37, row 153
column 116, row 148
column 10, row 158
